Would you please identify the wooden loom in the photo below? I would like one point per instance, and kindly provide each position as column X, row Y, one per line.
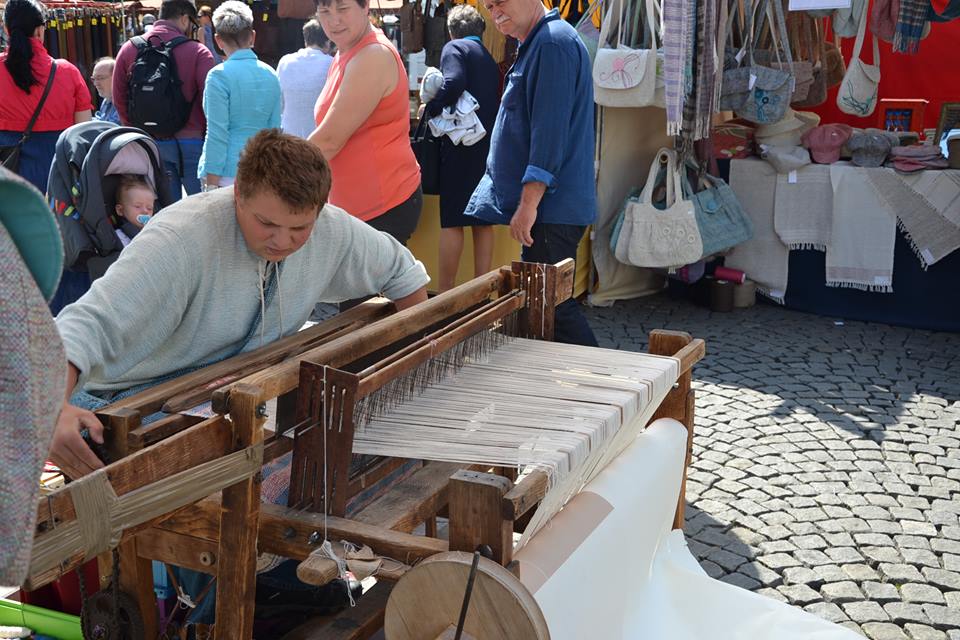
column 483, row 508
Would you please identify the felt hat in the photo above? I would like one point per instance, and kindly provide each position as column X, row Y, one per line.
column 788, row 130
column 869, row 149
column 825, row 141
column 33, row 228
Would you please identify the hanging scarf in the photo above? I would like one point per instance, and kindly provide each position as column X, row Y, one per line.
column 910, row 23
column 675, row 25
column 706, row 63
column 689, row 110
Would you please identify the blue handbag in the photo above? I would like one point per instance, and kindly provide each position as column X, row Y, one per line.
column 722, row 221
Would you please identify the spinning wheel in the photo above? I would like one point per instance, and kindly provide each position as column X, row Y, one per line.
column 425, row 604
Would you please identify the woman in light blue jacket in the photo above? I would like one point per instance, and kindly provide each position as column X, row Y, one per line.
column 241, row 96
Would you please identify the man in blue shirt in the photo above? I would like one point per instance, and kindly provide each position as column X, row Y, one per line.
column 102, row 78
column 540, row 177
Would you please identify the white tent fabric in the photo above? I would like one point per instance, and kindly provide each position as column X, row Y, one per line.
column 608, row 565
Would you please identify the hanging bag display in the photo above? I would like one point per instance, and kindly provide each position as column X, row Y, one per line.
column 411, row 27
column 846, row 22
column 10, row 154
column 834, row 65
column 720, row 218
column 811, row 43
column 801, row 70
column 651, row 237
column 858, row 91
column 623, row 76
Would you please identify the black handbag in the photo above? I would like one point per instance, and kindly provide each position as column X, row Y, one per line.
column 427, row 149
column 10, row 154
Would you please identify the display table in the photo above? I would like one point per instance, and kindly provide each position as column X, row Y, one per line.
column 919, row 298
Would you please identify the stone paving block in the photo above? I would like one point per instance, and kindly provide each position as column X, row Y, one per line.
column 772, row 593
column 812, row 557
column 913, row 542
column 740, row 580
column 830, row 573
column 902, row 613
column 728, row 561
column 922, row 593
column 953, row 599
column 912, row 527
column 844, row 555
column 951, row 562
column 876, row 555
column 865, row 611
column 881, row 592
column 827, row 611
column 923, row 632
column 883, row 631
column 778, row 560
column 920, row 558
column 800, row 594
column 946, row 580
column 942, row 617
column 802, row 575
column 899, row 573
column 713, row 570
column 841, row 592
column 860, row 572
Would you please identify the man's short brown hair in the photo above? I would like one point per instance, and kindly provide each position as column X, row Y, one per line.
column 289, row 167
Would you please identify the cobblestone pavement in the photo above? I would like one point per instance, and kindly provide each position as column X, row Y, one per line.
column 826, row 465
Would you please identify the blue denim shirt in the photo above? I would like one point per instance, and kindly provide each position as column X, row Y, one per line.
column 544, row 131
column 107, row 112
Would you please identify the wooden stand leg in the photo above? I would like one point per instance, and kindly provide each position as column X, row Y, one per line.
column 239, row 521
column 136, row 578
column 678, row 404
column 476, row 516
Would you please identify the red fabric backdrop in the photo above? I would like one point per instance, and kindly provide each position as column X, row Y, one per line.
column 932, row 74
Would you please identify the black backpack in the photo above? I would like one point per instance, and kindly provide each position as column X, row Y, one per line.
column 155, row 102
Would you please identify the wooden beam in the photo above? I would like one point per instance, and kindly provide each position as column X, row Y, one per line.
column 180, row 549
column 679, row 401
column 476, row 518
column 286, row 532
column 525, row 495
column 118, row 422
column 221, row 373
column 283, row 377
column 148, row 434
column 353, row 623
column 236, row 580
column 412, row 500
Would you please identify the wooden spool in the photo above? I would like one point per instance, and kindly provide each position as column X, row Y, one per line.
column 425, row 603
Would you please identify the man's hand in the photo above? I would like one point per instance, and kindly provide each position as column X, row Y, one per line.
column 68, row 450
column 522, row 223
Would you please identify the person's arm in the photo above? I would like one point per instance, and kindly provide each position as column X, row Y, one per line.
column 121, row 76
column 550, row 94
column 454, row 80
column 216, row 108
column 81, row 116
column 418, row 296
column 370, row 76
column 67, row 448
column 277, row 105
column 83, row 105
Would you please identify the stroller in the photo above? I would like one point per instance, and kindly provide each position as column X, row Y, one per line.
column 90, row 159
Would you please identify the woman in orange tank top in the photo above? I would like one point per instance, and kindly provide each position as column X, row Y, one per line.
column 363, row 123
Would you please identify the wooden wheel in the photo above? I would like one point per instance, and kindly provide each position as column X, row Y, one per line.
column 425, row 603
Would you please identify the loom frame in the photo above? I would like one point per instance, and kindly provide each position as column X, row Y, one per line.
column 483, row 508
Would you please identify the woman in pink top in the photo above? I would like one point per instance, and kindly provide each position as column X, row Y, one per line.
column 363, row 123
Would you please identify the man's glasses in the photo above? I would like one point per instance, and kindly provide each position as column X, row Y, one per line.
column 96, row 78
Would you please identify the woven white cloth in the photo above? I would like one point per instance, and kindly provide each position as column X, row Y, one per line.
column 764, row 257
column 940, row 189
column 931, row 236
column 803, row 208
column 860, row 255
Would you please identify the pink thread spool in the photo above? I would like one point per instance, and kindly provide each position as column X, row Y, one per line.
column 730, row 275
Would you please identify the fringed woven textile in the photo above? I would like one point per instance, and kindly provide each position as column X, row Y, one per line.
column 860, row 255
column 803, row 209
column 910, row 23
column 930, row 235
column 705, row 87
column 764, row 258
column 675, row 27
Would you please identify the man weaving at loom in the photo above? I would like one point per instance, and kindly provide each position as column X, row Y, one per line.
column 218, row 274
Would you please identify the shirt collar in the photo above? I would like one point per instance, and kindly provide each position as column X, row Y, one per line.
column 550, row 16
column 474, row 38
column 243, row 54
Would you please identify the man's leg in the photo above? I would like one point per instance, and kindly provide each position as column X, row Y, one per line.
column 191, row 150
column 171, row 164
column 551, row 244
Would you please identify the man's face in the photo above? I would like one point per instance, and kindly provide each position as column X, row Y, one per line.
column 272, row 229
column 102, row 78
column 514, row 18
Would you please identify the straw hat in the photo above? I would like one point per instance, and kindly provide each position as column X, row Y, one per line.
column 789, row 130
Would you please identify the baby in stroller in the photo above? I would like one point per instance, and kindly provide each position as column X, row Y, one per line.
column 93, row 162
column 135, row 201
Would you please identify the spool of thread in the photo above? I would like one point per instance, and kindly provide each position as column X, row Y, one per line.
column 730, row 275
column 721, row 296
column 745, row 295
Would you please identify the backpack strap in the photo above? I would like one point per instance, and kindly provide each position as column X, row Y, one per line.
column 176, row 42
column 36, row 112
